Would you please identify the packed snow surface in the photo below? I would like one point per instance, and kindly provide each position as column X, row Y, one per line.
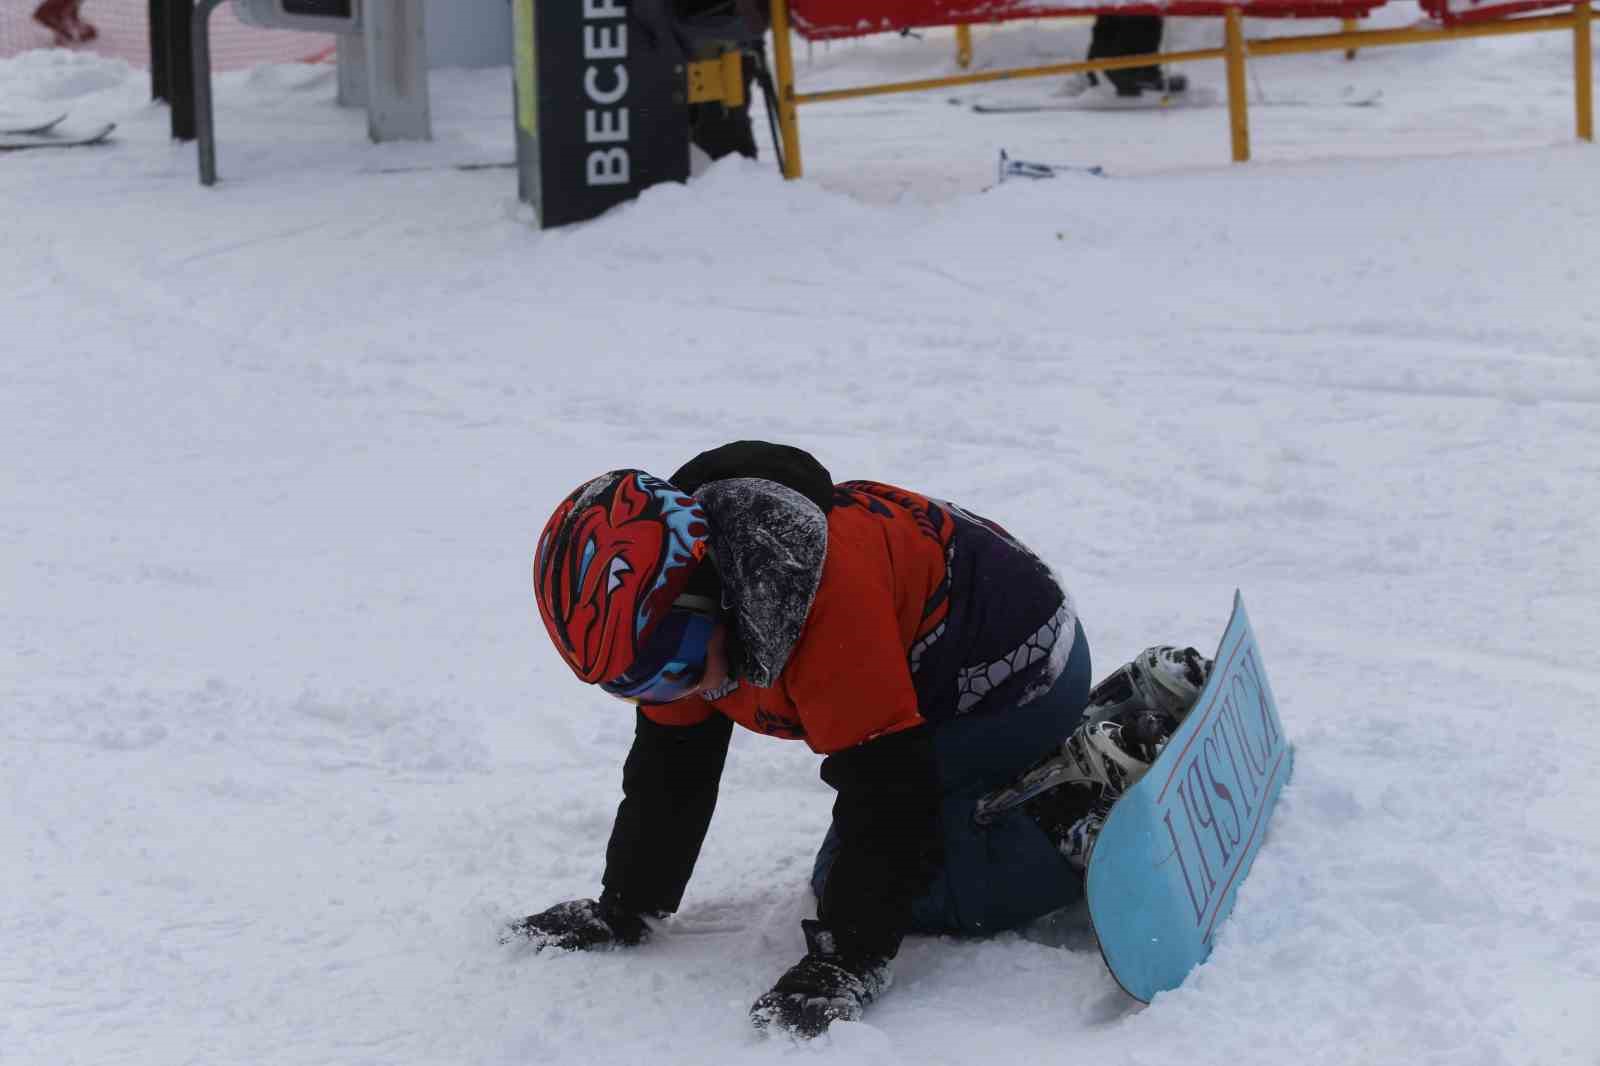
column 282, row 742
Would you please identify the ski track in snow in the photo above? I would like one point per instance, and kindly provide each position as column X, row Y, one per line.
column 282, row 743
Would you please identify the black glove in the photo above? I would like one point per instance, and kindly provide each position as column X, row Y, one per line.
column 580, row 925
column 822, row 988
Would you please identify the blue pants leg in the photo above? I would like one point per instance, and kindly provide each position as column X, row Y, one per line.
column 1007, row 873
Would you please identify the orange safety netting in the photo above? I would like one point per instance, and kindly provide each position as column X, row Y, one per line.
column 124, row 33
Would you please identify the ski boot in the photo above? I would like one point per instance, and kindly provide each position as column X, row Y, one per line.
column 1127, row 84
column 1153, row 80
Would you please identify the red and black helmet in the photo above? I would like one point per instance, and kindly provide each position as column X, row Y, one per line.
column 611, row 564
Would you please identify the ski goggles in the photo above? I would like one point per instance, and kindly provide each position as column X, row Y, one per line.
column 673, row 660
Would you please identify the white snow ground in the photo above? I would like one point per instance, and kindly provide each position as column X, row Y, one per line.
column 281, row 740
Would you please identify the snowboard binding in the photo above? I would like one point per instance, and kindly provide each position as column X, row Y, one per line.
column 1125, row 727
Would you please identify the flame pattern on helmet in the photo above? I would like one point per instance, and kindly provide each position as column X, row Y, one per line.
column 611, row 560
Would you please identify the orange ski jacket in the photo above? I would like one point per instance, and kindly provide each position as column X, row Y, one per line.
column 922, row 611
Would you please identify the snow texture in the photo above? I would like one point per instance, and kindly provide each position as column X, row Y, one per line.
column 768, row 542
column 283, row 742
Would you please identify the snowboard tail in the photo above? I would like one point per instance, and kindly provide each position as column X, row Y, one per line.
column 1168, row 863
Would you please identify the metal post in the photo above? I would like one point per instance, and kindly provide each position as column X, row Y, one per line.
column 1349, row 26
column 397, row 71
column 181, row 74
column 525, row 92
column 1238, row 101
column 160, row 65
column 205, row 120
column 351, row 60
column 1583, row 68
column 963, row 46
column 1323, row 42
column 783, row 59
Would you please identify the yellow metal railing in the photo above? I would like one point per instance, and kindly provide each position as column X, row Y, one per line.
column 788, row 118
column 1235, row 49
column 1583, row 68
column 1235, row 52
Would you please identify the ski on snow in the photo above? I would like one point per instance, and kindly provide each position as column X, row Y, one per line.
column 1095, row 101
column 1202, row 96
column 55, row 137
column 1022, row 168
column 13, row 126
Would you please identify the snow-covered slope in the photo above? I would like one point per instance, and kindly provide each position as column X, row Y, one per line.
column 281, row 739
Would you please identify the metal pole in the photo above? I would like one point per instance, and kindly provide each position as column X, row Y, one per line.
column 525, row 98
column 985, row 76
column 1583, row 68
column 160, row 66
column 963, row 46
column 1326, row 42
column 397, row 71
column 783, row 59
column 351, row 59
column 1238, row 100
column 181, row 74
column 205, row 120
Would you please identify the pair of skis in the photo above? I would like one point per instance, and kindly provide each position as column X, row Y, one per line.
column 1197, row 96
column 19, row 134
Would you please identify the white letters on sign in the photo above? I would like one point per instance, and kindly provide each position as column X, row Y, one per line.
column 605, row 84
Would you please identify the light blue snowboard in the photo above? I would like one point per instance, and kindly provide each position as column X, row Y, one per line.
column 1177, row 845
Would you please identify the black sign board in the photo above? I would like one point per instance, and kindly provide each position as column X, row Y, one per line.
column 601, row 106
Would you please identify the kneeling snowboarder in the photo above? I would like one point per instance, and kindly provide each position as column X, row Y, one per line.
column 936, row 662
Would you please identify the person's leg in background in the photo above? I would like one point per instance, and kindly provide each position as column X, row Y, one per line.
column 1114, row 36
column 64, row 18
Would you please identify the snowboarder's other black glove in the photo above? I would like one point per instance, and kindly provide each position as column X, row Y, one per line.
column 822, row 988
column 581, row 925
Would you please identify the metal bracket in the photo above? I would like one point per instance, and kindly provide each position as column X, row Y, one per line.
column 383, row 64
column 716, row 79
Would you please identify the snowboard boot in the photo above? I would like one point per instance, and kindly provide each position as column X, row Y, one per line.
column 1124, row 727
column 1076, row 843
column 1104, row 759
column 1091, row 760
column 1127, row 722
column 1162, row 678
column 1116, row 754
